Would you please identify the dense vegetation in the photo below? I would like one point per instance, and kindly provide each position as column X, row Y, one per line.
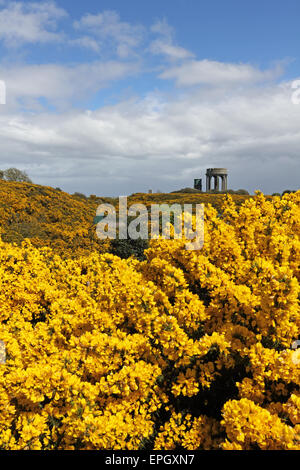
column 175, row 350
column 48, row 217
column 51, row 217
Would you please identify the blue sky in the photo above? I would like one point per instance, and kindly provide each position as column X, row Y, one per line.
column 114, row 97
column 260, row 31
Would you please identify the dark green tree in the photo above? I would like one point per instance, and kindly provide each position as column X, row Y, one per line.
column 126, row 248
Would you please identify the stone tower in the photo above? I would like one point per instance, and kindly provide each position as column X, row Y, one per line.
column 216, row 173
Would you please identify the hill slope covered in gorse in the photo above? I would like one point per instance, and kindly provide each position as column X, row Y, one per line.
column 48, row 217
column 181, row 350
column 51, row 217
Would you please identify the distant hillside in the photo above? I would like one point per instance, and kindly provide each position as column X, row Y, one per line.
column 51, row 217
column 186, row 197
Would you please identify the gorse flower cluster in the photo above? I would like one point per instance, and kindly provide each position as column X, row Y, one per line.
column 187, row 349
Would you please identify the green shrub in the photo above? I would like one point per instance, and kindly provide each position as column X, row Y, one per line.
column 242, row 192
column 81, row 195
column 126, row 248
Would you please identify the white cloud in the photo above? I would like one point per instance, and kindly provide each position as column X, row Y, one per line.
column 209, row 72
column 62, row 84
column 107, row 28
column 163, row 28
column 30, row 22
column 150, row 142
column 86, row 42
column 165, row 44
column 174, row 52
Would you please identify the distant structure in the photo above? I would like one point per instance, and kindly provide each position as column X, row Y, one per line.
column 214, row 173
column 198, row 184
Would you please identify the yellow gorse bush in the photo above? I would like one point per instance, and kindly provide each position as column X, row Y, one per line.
column 189, row 349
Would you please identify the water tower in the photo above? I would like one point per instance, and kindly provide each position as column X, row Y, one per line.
column 216, row 174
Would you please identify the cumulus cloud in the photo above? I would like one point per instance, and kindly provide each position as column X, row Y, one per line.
column 31, row 22
column 61, row 85
column 149, row 142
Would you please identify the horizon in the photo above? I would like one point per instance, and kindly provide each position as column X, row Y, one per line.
column 131, row 97
column 189, row 190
